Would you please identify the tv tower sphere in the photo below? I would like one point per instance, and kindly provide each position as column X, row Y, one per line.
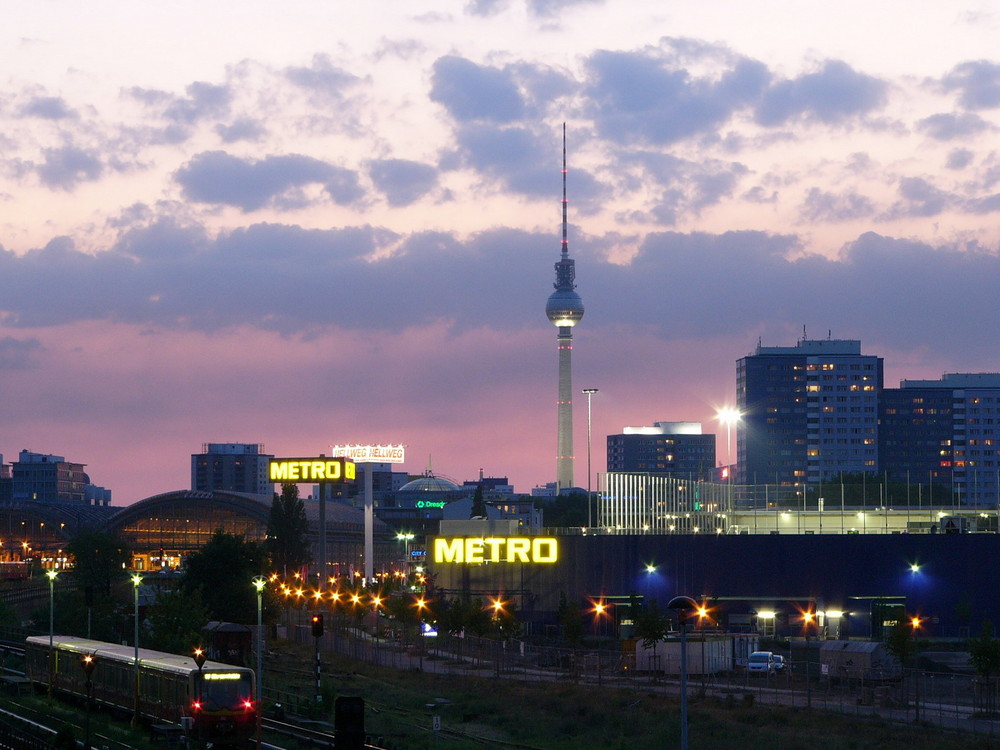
column 564, row 308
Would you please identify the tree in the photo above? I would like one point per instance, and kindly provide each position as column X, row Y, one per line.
column 478, row 506
column 899, row 641
column 287, row 531
column 569, row 509
column 650, row 624
column 99, row 557
column 984, row 652
column 175, row 621
column 571, row 620
column 222, row 572
column 984, row 656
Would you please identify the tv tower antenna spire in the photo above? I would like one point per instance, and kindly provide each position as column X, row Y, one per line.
column 564, row 310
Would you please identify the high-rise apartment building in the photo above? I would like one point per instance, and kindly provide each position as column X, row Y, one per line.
column 809, row 412
column 944, row 435
column 234, row 467
column 673, row 449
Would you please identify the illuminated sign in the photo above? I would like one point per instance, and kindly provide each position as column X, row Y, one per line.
column 311, row 470
column 431, row 503
column 222, row 675
column 524, row 549
column 371, row 454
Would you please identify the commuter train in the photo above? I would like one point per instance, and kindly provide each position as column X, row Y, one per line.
column 215, row 701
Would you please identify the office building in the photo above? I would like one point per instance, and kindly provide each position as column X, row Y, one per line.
column 673, row 449
column 232, row 467
column 809, row 412
column 942, row 438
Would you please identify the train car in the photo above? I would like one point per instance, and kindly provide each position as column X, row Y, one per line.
column 217, row 698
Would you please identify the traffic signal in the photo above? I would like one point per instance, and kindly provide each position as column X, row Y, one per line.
column 349, row 723
column 317, row 625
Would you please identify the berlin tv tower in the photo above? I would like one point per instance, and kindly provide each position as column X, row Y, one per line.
column 564, row 310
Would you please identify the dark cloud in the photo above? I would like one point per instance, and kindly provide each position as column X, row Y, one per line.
column 217, row 177
column 475, row 93
column 402, row 181
column 486, row 8
column 322, row 78
column 548, row 8
column 687, row 187
column 650, row 97
column 831, row 95
column 295, row 281
column 918, row 198
column 17, row 354
column 529, row 164
column 820, row 206
column 243, row 129
column 977, row 84
column 959, row 158
column 203, row 100
column 67, row 166
column 48, row 108
column 949, row 125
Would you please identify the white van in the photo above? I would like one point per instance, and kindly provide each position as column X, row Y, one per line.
column 761, row 662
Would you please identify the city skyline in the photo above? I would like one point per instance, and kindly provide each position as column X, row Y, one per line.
column 303, row 228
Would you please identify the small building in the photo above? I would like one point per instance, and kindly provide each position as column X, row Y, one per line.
column 858, row 660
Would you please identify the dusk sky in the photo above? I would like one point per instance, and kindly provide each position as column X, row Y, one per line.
column 318, row 223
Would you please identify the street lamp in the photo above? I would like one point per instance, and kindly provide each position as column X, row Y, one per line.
column 87, row 663
column 729, row 416
column 259, row 582
column 421, row 605
column 406, row 537
column 136, row 581
column 51, row 575
column 590, row 392
column 684, row 606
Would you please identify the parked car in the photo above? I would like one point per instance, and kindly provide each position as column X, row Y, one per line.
column 779, row 663
column 761, row 662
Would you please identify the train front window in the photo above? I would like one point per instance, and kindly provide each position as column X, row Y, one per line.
column 224, row 690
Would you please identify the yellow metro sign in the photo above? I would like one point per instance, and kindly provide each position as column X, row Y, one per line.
column 473, row 550
column 322, row 469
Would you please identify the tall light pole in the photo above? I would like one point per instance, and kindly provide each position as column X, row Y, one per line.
column 684, row 606
column 406, row 537
column 590, row 392
column 51, row 575
column 259, row 582
column 136, row 582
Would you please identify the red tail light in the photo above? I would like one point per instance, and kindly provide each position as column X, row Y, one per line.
column 248, row 704
column 197, row 706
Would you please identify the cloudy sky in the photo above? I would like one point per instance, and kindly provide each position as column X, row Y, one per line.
column 322, row 222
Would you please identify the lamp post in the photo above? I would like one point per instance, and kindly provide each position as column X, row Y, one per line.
column 421, row 606
column 683, row 606
column 808, row 618
column 136, row 581
column 497, row 605
column 406, row 537
column 51, row 575
column 87, row 663
column 590, row 392
column 259, row 582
